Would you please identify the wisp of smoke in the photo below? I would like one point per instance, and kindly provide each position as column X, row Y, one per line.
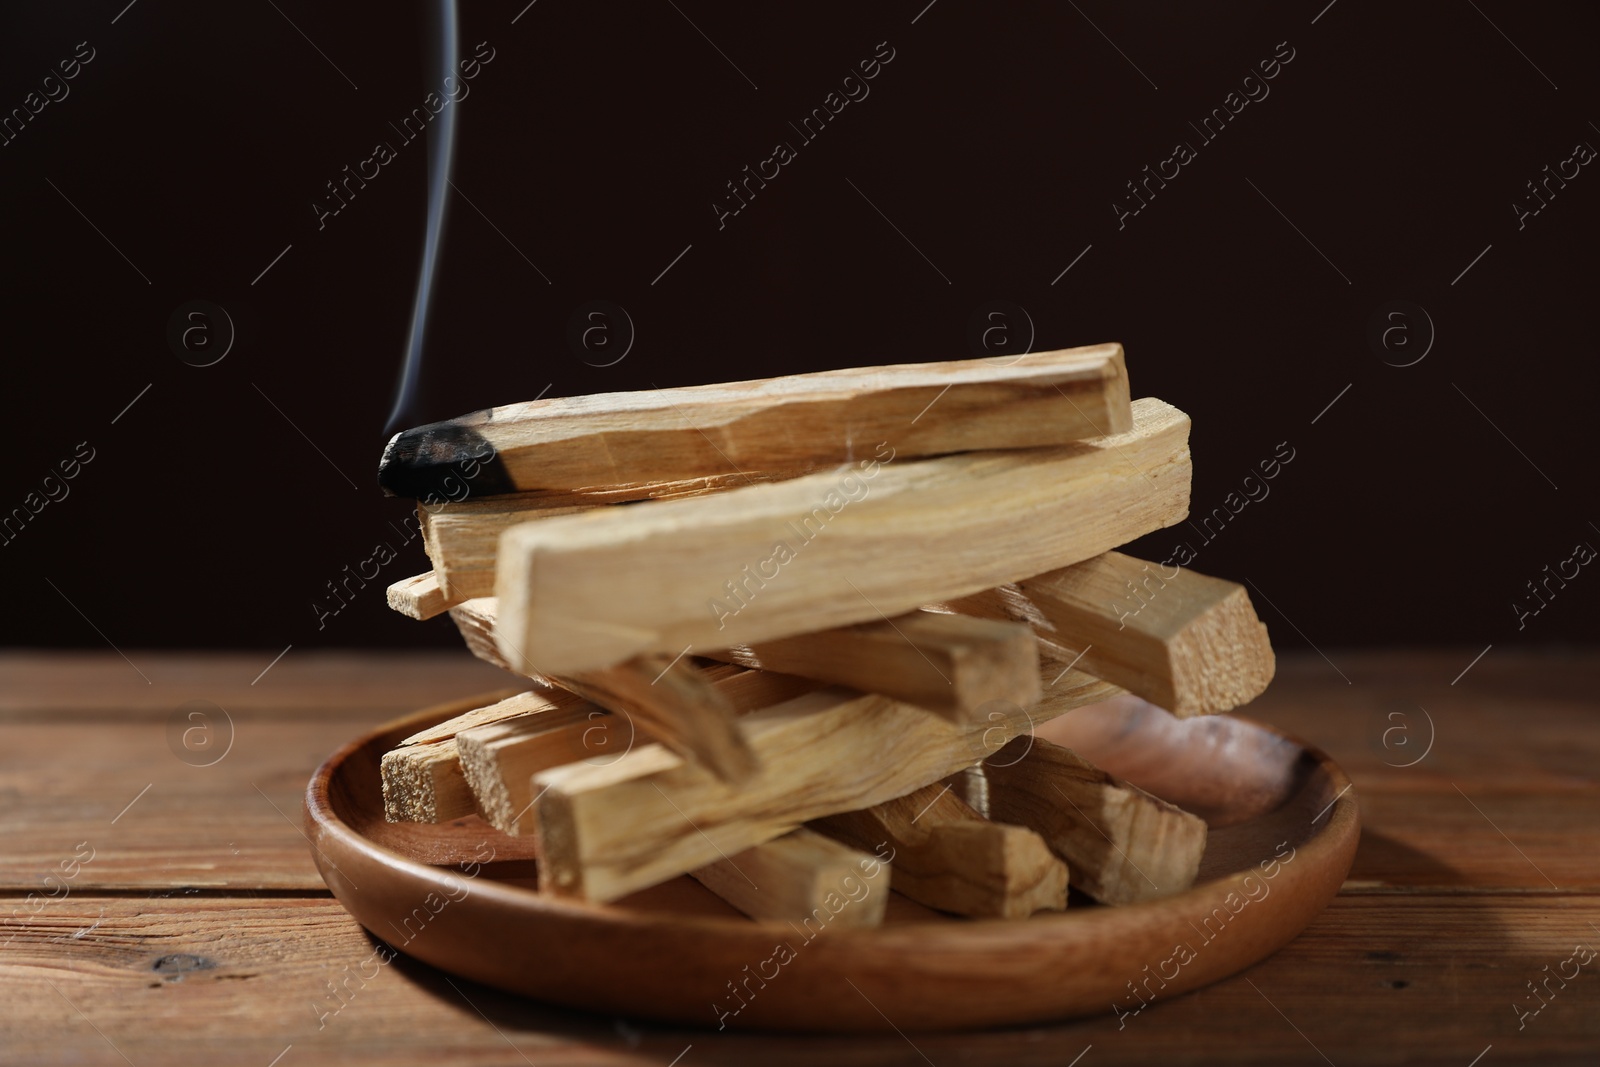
column 441, row 156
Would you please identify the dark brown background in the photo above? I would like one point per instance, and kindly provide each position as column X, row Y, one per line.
column 996, row 140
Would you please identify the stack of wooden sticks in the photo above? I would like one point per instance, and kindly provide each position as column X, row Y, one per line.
column 779, row 633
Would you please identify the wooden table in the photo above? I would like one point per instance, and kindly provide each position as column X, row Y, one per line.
column 177, row 917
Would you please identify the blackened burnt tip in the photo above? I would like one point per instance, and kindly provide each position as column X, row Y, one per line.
column 442, row 460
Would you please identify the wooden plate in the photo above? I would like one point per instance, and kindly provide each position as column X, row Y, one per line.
column 1284, row 826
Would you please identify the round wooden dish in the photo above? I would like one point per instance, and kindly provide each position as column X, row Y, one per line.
column 1283, row 834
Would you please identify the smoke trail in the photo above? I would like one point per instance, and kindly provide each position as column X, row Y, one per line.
column 441, row 156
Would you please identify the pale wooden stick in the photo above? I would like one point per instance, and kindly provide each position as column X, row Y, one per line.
column 606, row 831
column 581, row 592
column 1122, row 844
column 802, row 877
column 511, row 705
column 972, row 788
column 952, row 665
column 672, row 700
column 1183, row 641
column 949, row 857
column 462, row 538
column 793, row 424
column 421, row 777
column 499, row 759
column 476, row 619
column 418, row 597
column 424, row 784
column 667, row 695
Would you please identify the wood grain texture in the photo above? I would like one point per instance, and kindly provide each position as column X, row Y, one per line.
column 769, row 561
column 463, row 538
column 422, row 776
column 498, row 760
column 667, row 695
column 1427, row 980
column 952, row 665
column 608, row 830
column 677, row 703
column 949, row 857
column 307, row 682
column 1184, row 641
column 1122, row 844
column 418, row 597
column 797, row 423
column 803, row 878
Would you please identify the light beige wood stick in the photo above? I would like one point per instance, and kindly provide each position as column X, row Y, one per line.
column 476, row 620
column 949, row 857
column 972, row 788
column 1181, row 640
column 952, row 665
column 418, row 597
column 421, row 777
column 511, row 705
column 1122, row 844
column 672, row 700
column 581, row 592
column 606, row 831
column 499, row 759
column 802, row 877
column 424, row 784
column 797, row 423
column 667, row 696
column 462, row 538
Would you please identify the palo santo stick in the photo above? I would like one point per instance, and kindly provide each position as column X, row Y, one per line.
column 462, row 539
column 510, row 706
column 668, row 696
column 801, row 876
column 1121, row 844
column 419, row 597
column 792, row 424
column 581, row 592
column 949, row 857
column 673, row 701
column 477, row 620
column 606, row 831
column 952, row 665
column 421, row 777
column 423, row 783
column 499, row 759
column 1181, row 640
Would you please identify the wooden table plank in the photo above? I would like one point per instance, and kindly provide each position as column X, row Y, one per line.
column 1405, row 980
column 1515, row 718
column 152, row 820
column 304, row 682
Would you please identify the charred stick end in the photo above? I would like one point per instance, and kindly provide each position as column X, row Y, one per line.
column 442, row 461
